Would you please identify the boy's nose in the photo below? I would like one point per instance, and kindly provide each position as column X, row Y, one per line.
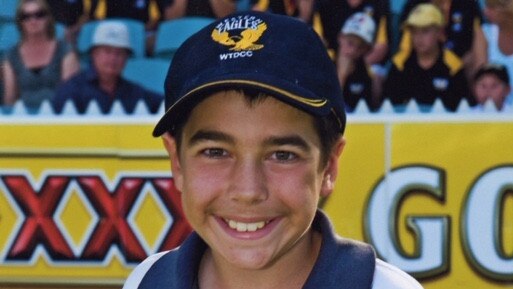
column 248, row 184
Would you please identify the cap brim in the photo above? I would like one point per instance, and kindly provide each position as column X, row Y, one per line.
column 293, row 96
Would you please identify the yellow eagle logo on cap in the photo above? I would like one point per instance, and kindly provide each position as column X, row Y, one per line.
column 246, row 40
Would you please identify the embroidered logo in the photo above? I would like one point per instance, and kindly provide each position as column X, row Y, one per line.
column 457, row 19
column 226, row 33
column 356, row 88
column 440, row 83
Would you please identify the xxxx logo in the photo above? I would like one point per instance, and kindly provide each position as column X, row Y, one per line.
column 113, row 210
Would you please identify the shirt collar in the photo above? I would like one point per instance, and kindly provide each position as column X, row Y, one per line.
column 192, row 250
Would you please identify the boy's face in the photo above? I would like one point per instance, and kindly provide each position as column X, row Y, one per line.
column 352, row 46
column 489, row 86
column 425, row 39
column 251, row 178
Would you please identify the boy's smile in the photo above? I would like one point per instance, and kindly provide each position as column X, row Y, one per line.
column 251, row 179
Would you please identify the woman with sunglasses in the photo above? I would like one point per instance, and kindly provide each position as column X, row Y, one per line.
column 34, row 67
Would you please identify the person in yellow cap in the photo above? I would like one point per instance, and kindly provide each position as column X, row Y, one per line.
column 463, row 33
column 429, row 71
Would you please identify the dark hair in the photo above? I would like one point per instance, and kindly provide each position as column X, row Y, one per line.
column 327, row 128
column 498, row 70
column 50, row 28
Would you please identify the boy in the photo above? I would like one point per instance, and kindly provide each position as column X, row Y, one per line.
column 254, row 130
column 429, row 71
column 356, row 39
column 491, row 82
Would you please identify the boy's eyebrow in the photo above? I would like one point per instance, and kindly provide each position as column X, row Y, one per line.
column 209, row 135
column 293, row 140
column 206, row 135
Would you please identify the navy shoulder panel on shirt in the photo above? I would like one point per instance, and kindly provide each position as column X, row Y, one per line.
column 342, row 263
column 162, row 274
column 177, row 268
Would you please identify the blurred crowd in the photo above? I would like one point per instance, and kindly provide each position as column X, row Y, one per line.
column 451, row 51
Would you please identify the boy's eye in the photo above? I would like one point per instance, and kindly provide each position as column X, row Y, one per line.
column 215, row 152
column 284, row 156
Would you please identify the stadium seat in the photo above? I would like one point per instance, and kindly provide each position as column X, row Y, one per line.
column 150, row 73
column 135, row 28
column 8, row 10
column 396, row 6
column 60, row 30
column 243, row 5
column 482, row 4
column 9, row 35
column 172, row 33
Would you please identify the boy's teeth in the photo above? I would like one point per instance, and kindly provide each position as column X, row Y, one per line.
column 245, row 227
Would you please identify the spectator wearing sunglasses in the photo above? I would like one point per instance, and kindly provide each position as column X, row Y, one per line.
column 34, row 67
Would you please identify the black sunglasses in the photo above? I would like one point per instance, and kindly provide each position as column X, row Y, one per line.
column 37, row 15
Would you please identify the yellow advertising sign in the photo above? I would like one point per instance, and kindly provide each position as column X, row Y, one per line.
column 85, row 200
column 434, row 197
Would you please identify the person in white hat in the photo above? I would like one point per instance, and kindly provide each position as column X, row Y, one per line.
column 110, row 50
column 356, row 39
column 103, row 82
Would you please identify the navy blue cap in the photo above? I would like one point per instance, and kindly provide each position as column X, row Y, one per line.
column 273, row 54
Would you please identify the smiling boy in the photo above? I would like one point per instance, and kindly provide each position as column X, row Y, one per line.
column 254, row 135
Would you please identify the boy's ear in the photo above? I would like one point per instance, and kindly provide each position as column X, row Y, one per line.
column 331, row 171
column 176, row 167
